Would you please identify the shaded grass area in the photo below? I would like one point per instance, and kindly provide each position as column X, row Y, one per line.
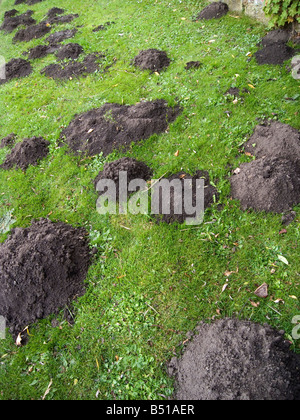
column 149, row 284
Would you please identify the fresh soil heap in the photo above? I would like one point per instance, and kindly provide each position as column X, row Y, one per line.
column 193, row 65
column 11, row 21
column 210, row 194
column 275, row 49
column 32, row 32
column 134, row 169
column 115, row 126
column 103, row 27
column 237, row 360
column 267, row 184
column 44, row 27
column 41, row 51
column 70, row 51
column 275, row 54
column 275, row 139
column 16, row 68
column 43, row 269
column 272, row 182
column 8, row 141
column 278, row 36
column 28, row 152
column 60, row 36
column 215, row 10
column 152, row 59
column 30, row 2
column 90, row 64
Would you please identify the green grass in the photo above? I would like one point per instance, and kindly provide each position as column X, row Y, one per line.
column 149, row 284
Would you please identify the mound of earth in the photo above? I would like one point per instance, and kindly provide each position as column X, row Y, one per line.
column 32, row 32
column 193, row 65
column 275, row 139
column 8, row 141
column 275, row 53
column 40, row 51
column 215, row 10
column 60, row 36
column 10, row 13
column 43, row 269
column 271, row 185
column 103, row 27
column 236, row 360
column 53, row 17
column 11, row 21
column 176, row 196
column 69, row 51
column 134, row 169
column 114, row 126
column 16, row 68
column 278, row 36
column 28, row 152
column 55, row 11
column 152, row 59
column 30, row 2
column 90, row 64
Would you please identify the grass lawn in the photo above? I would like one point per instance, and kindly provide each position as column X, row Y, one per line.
column 149, row 284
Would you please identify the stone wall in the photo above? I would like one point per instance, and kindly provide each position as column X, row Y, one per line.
column 252, row 8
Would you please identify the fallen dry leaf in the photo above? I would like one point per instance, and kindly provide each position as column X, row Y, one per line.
column 254, row 304
column 262, row 291
column 224, row 287
column 47, row 390
column 177, row 153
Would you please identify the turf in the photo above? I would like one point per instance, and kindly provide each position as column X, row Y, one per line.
column 149, row 284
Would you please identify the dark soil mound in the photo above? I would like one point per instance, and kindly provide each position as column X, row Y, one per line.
column 234, row 92
column 214, row 11
column 56, row 20
column 193, row 65
column 278, row 36
column 275, row 140
column 10, row 13
column 28, row 152
column 276, row 53
column 210, row 193
column 271, row 185
column 103, row 27
column 55, row 11
column 152, row 59
column 237, row 360
column 134, row 169
column 89, row 65
column 69, row 51
column 41, row 51
column 11, row 21
column 15, row 68
column 114, row 126
column 8, row 141
column 32, row 32
column 60, row 36
column 30, row 2
column 43, row 269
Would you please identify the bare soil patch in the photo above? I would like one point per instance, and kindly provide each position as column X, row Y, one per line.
column 236, row 360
